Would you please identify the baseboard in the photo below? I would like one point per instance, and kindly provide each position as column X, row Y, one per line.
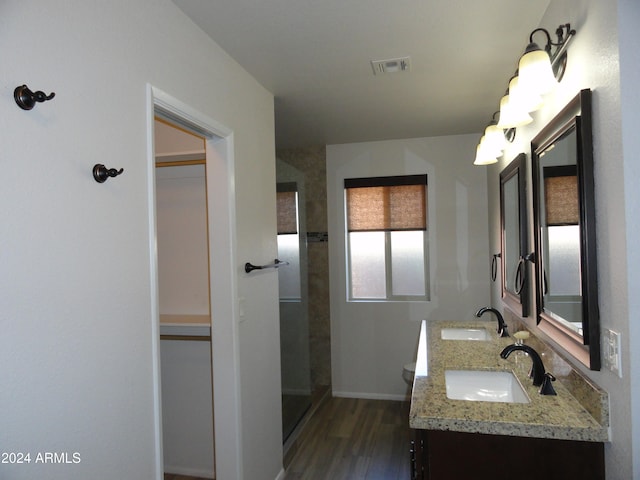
column 189, row 472
column 371, row 396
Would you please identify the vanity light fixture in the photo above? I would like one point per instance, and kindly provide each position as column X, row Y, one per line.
column 539, row 70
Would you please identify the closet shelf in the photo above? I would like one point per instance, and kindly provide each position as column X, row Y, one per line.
column 185, row 325
column 180, row 156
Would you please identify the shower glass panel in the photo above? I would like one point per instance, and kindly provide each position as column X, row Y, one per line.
column 294, row 316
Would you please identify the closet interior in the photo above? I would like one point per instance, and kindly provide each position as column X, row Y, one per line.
column 184, row 302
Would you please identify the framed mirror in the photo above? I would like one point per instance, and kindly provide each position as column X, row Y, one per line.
column 513, row 234
column 565, row 243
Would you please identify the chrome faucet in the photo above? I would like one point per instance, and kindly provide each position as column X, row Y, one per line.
column 502, row 326
column 540, row 377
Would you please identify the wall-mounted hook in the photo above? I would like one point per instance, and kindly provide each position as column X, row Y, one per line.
column 26, row 99
column 102, row 173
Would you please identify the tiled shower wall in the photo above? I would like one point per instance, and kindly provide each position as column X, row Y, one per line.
column 312, row 161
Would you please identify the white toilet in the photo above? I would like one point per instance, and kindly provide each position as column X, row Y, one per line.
column 408, row 372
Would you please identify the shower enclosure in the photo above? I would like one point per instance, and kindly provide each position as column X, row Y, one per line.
column 294, row 298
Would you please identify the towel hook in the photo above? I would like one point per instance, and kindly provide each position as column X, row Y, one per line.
column 26, row 99
column 102, row 173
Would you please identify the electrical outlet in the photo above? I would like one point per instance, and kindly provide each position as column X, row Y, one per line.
column 611, row 351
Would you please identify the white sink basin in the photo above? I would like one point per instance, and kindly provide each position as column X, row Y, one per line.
column 484, row 386
column 464, row 334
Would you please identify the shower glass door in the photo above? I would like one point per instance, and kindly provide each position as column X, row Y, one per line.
column 294, row 317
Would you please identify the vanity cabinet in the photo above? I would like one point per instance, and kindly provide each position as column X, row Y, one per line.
column 549, row 437
column 446, row 455
column 417, row 455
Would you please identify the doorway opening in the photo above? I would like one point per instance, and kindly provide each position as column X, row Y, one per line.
column 185, row 306
column 215, row 172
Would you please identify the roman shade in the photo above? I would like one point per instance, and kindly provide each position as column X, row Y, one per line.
column 386, row 203
column 561, row 195
column 286, row 208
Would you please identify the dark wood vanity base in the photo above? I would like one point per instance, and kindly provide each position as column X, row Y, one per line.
column 446, row 455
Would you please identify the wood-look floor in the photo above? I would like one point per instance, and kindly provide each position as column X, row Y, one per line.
column 354, row 439
column 351, row 439
column 170, row 476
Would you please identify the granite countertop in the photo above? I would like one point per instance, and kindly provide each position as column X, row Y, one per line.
column 559, row 417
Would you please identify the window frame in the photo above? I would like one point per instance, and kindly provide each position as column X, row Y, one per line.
column 395, row 180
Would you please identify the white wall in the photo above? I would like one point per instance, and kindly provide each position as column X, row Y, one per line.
column 594, row 61
column 629, row 19
column 181, row 226
column 187, row 408
column 371, row 341
column 76, row 316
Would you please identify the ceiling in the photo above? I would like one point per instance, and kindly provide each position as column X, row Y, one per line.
column 314, row 56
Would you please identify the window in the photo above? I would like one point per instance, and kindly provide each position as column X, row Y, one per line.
column 288, row 241
column 387, row 238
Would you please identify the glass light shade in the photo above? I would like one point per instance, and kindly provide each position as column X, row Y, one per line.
column 535, row 72
column 494, row 139
column 519, row 98
column 490, row 147
column 512, row 117
column 483, row 156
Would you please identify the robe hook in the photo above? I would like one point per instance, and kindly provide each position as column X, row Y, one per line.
column 102, row 173
column 26, row 99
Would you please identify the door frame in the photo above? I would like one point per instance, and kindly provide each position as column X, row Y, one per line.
column 223, row 283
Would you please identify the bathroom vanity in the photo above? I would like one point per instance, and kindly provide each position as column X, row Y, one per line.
column 545, row 436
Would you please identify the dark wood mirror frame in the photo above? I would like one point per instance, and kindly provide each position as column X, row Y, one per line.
column 575, row 117
column 516, row 295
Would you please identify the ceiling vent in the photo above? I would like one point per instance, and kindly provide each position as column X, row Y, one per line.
column 392, row 65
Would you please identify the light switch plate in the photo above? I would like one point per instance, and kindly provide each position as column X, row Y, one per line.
column 611, row 351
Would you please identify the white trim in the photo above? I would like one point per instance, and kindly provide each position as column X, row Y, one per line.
column 370, row 396
column 206, row 125
column 224, row 294
column 224, row 308
column 154, row 294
